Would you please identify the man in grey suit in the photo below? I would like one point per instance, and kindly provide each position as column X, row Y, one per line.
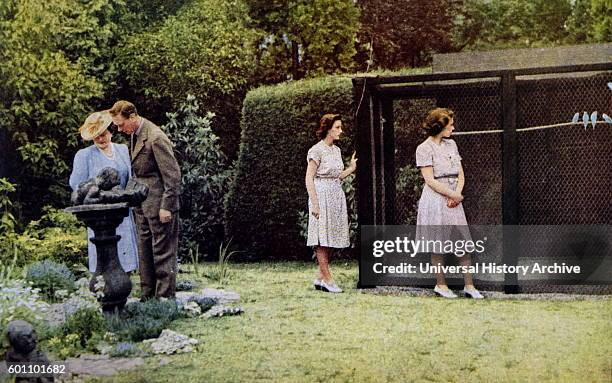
column 157, row 221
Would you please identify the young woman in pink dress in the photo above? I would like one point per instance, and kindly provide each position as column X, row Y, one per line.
column 440, row 208
column 328, row 227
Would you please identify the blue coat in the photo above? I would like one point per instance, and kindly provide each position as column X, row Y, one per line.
column 87, row 163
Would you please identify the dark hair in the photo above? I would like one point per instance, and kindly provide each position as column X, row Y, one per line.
column 436, row 120
column 326, row 123
column 123, row 108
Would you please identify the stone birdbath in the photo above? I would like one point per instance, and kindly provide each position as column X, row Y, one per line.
column 102, row 205
column 104, row 219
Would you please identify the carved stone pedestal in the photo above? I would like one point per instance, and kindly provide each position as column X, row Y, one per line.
column 104, row 219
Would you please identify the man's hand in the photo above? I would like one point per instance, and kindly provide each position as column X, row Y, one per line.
column 165, row 216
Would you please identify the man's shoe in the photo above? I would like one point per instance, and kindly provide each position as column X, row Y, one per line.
column 317, row 284
column 472, row 293
column 330, row 287
column 445, row 293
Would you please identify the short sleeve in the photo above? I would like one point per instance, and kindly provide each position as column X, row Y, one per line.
column 314, row 154
column 80, row 169
column 424, row 156
column 456, row 150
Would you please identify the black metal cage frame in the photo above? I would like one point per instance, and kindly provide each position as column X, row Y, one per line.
column 375, row 136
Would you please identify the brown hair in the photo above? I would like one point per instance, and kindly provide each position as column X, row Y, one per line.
column 123, row 108
column 326, row 123
column 436, row 120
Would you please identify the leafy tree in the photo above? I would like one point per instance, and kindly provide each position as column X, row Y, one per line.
column 53, row 64
column 142, row 14
column 512, row 23
column 404, row 33
column 304, row 37
column 7, row 222
column 204, row 50
column 602, row 27
column 590, row 22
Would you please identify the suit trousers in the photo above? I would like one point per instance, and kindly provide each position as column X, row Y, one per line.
column 157, row 255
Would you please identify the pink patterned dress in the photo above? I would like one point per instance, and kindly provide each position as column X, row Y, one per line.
column 432, row 210
column 331, row 229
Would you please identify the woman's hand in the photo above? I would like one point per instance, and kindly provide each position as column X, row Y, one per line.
column 451, row 203
column 353, row 165
column 455, row 196
column 315, row 212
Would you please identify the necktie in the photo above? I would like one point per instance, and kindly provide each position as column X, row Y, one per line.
column 134, row 140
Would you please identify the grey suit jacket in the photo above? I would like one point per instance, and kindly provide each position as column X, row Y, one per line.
column 154, row 164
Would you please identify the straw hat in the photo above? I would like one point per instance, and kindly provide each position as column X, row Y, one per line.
column 95, row 125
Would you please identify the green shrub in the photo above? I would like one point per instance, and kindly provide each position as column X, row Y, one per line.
column 221, row 272
column 139, row 321
column 9, row 269
column 166, row 310
column 81, row 299
column 278, row 125
column 64, row 346
column 85, row 322
column 408, row 187
column 206, row 177
column 7, row 222
column 83, row 328
column 56, row 236
column 49, row 277
column 125, row 350
column 185, row 285
column 53, row 218
column 136, row 329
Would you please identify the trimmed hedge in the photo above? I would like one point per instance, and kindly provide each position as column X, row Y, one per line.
column 278, row 125
column 278, row 128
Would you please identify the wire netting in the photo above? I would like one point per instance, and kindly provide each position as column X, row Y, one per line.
column 564, row 169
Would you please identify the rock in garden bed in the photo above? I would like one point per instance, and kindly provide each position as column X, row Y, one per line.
column 219, row 296
column 170, row 342
column 221, row 310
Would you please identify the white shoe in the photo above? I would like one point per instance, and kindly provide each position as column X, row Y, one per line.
column 444, row 293
column 317, row 284
column 472, row 293
column 330, row 287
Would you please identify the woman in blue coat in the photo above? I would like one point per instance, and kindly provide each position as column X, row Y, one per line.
column 87, row 164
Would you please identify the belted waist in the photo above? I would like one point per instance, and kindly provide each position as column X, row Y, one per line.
column 447, row 176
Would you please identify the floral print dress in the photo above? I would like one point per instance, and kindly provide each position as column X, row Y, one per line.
column 331, row 229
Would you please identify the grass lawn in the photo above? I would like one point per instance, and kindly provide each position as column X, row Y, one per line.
column 292, row 333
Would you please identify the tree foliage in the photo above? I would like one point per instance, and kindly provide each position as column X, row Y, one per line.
column 204, row 50
column 590, row 22
column 206, row 177
column 404, row 33
column 304, row 37
column 498, row 24
column 53, row 66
